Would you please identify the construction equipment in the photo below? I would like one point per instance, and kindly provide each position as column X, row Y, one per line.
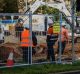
column 60, row 5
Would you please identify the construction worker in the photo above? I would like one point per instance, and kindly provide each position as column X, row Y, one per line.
column 34, row 41
column 64, row 38
column 19, row 28
column 26, row 44
column 50, row 42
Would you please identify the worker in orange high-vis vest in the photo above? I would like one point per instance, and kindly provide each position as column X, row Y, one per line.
column 51, row 39
column 26, row 45
column 64, row 38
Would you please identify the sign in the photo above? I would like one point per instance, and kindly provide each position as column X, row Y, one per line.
column 8, row 24
column 56, row 28
column 38, row 23
column 8, row 21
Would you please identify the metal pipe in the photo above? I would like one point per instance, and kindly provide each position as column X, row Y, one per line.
column 30, row 26
column 60, row 44
column 73, row 17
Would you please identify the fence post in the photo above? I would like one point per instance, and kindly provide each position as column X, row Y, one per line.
column 30, row 26
column 60, row 44
column 72, row 15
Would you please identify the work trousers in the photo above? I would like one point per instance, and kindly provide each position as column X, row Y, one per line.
column 26, row 54
column 63, row 45
column 50, row 53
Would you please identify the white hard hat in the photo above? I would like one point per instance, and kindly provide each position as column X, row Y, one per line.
column 50, row 21
column 26, row 26
column 63, row 24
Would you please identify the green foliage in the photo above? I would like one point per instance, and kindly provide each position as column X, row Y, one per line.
column 78, row 13
column 41, row 69
column 47, row 10
column 10, row 6
column 1, row 5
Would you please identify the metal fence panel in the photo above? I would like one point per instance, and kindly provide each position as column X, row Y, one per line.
column 12, row 54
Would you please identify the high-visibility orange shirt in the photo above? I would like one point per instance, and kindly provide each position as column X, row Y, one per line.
column 64, row 34
column 50, row 30
column 25, row 38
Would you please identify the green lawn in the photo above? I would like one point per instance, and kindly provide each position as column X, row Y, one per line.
column 41, row 69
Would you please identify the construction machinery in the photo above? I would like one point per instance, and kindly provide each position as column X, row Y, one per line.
column 60, row 5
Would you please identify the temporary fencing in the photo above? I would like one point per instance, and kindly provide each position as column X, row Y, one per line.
column 10, row 39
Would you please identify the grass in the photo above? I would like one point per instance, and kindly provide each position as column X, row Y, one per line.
column 41, row 69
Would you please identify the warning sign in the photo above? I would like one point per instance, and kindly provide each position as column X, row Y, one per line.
column 56, row 28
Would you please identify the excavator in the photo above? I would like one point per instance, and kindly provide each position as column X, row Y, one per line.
column 58, row 4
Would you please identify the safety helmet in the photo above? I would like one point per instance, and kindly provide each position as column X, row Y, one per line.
column 26, row 25
column 20, row 20
column 63, row 24
column 50, row 22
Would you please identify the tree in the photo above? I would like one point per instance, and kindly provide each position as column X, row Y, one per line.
column 47, row 10
column 11, row 6
column 2, row 4
column 78, row 5
column 78, row 13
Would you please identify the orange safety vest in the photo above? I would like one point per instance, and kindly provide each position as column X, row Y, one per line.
column 64, row 34
column 25, row 39
column 50, row 31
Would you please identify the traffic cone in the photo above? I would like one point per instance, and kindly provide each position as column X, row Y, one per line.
column 10, row 61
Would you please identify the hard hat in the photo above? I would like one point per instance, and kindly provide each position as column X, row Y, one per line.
column 20, row 20
column 50, row 22
column 26, row 25
column 63, row 24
